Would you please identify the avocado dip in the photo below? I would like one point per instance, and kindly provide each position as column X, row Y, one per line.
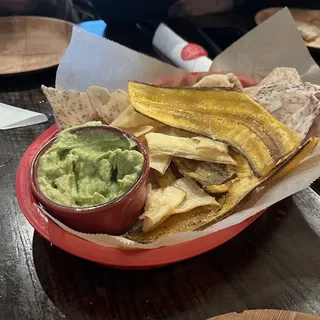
column 89, row 167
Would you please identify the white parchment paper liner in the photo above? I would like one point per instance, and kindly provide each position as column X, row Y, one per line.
column 90, row 60
column 298, row 179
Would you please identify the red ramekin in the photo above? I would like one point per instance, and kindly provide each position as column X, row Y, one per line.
column 114, row 217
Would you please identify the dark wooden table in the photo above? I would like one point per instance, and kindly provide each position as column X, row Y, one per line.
column 275, row 263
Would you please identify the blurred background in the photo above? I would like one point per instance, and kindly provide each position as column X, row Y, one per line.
column 128, row 12
column 214, row 24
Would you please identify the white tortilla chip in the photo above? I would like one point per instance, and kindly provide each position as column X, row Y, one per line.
column 98, row 97
column 295, row 105
column 121, row 119
column 154, row 216
column 129, row 118
column 308, row 113
column 196, row 197
column 162, row 144
column 275, row 97
column 209, row 144
column 70, row 108
column 160, row 205
column 220, row 81
column 315, row 128
column 281, row 76
column 278, row 76
column 166, row 179
column 203, row 142
column 76, row 108
column 118, row 102
column 160, row 162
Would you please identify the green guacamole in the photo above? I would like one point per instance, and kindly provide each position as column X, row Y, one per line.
column 88, row 168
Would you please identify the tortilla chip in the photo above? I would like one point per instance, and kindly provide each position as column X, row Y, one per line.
column 76, row 108
column 295, row 105
column 281, row 76
column 302, row 120
column 117, row 103
column 202, row 142
column 160, row 205
column 70, row 108
column 220, row 81
column 129, row 118
column 140, row 131
column 121, row 119
column 162, row 144
column 288, row 99
column 209, row 144
column 315, row 128
column 196, row 197
column 155, row 216
column 290, row 96
column 166, row 179
column 98, row 97
column 278, row 76
column 160, row 162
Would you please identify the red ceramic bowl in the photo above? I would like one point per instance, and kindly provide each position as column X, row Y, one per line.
column 114, row 217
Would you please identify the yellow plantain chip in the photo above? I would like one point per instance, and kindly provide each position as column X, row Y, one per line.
column 225, row 115
column 304, row 150
column 159, row 143
column 247, row 181
column 160, row 204
column 160, row 162
column 179, row 133
column 196, row 197
column 219, row 188
column 205, row 173
column 202, row 217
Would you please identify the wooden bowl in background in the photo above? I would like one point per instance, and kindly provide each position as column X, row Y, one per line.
column 32, row 43
column 266, row 315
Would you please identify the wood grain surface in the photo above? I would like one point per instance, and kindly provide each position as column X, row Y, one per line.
column 32, row 43
column 273, row 264
column 311, row 17
column 266, row 315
